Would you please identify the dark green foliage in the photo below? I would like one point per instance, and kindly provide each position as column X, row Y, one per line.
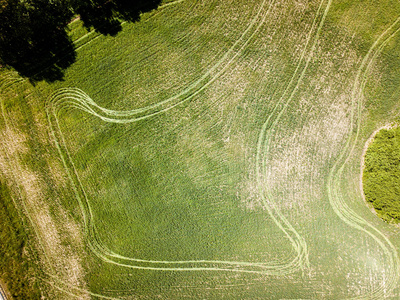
column 33, row 39
column 104, row 15
column 381, row 176
column 33, row 35
column 16, row 269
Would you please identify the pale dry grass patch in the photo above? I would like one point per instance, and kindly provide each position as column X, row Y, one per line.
column 249, row 193
column 298, row 156
column 64, row 260
column 55, row 256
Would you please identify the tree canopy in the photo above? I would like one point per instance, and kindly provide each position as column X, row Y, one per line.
column 381, row 175
column 33, row 33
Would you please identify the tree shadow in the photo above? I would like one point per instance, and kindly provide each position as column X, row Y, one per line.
column 34, row 40
column 46, row 59
column 105, row 16
column 99, row 15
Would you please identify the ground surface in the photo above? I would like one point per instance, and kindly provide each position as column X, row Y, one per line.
column 212, row 150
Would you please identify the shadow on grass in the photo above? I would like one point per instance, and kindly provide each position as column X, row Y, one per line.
column 104, row 16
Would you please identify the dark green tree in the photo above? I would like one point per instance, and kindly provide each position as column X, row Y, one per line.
column 33, row 33
column 33, row 39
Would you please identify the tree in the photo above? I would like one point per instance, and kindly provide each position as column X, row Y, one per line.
column 33, row 35
column 33, row 39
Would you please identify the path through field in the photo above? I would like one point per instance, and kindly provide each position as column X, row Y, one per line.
column 211, row 150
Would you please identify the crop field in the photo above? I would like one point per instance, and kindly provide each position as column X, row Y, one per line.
column 212, row 150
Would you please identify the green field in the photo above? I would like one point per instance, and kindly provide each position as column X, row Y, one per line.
column 211, row 150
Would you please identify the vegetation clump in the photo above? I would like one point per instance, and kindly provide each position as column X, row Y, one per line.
column 381, row 177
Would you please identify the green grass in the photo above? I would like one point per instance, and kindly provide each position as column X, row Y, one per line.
column 18, row 270
column 213, row 150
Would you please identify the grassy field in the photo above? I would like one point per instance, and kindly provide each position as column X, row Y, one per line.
column 211, row 150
